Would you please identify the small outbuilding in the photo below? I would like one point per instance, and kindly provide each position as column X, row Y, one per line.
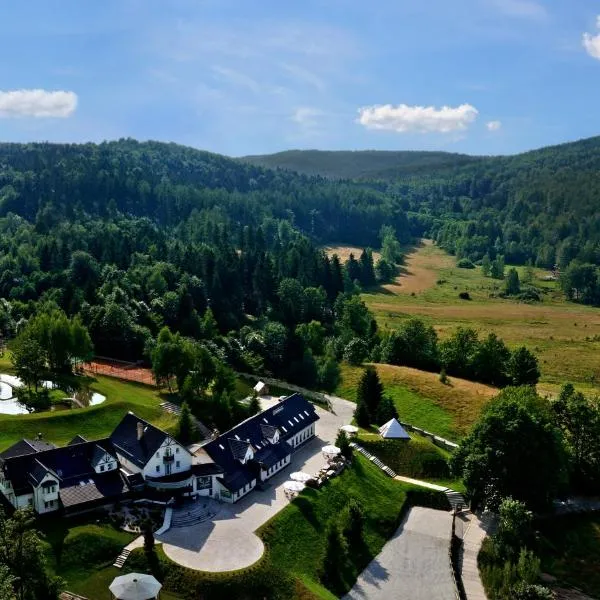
column 392, row 430
column 261, row 388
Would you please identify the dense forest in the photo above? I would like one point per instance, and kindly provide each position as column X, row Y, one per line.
column 539, row 207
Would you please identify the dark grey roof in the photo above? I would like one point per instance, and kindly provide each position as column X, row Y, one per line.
column 78, row 439
column 98, row 455
column 76, row 492
column 125, row 439
column 273, row 453
column 238, row 448
column 268, row 431
column 37, row 472
column 65, row 463
column 289, row 416
column 206, row 469
column 23, row 447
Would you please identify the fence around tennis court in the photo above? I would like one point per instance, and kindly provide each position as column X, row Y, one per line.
column 120, row 369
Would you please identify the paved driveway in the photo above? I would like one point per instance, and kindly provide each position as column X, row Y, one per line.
column 414, row 564
column 228, row 541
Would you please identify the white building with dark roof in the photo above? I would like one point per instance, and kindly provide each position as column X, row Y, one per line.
column 86, row 474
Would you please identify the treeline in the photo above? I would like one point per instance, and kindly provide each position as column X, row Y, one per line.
column 166, row 183
column 462, row 354
column 541, row 206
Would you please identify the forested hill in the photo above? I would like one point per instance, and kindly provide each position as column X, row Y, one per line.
column 167, row 183
column 361, row 164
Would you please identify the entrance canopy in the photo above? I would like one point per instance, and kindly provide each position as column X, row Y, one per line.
column 135, row 586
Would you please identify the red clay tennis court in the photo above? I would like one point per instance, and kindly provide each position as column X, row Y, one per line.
column 120, row 369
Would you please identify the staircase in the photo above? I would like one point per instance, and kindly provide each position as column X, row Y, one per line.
column 373, row 459
column 192, row 514
column 175, row 409
column 456, row 499
column 122, row 558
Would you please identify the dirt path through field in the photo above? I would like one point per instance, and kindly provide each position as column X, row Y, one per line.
column 420, row 269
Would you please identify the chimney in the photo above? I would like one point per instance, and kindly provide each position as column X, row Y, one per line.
column 140, row 430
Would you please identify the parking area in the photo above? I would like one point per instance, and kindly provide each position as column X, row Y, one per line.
column 414, row 564
column 228, row 542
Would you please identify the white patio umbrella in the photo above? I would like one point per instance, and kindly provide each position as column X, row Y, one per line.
column 135, row 586
column 293, row 486
column 330, row 451
column 350, row 429
column 301, row 477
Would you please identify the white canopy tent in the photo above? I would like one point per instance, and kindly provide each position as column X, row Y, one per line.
column 392, row 430
column 301, row 477
column 135, row 586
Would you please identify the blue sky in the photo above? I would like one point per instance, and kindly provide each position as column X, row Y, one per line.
column 248, row 77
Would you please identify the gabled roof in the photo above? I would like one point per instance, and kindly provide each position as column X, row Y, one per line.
column 289, row 416
column 24, row 446
column 268, row 431
column 98, row 455
column 239, row 448
column 78, row 439
column 37, row 472
column 393, row 430
column 125, row 439
column 63, row 463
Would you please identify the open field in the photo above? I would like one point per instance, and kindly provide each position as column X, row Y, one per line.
column 565, row 336
column 344, row 252
column 422, row 400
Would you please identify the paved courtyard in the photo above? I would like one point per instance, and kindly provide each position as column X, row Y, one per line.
column 414, row 564
column 228, row 542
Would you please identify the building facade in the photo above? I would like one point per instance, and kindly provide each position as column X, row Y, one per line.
column 138, row 456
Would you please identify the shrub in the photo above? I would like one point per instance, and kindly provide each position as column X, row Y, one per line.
column 464, row 296
column 465, row 263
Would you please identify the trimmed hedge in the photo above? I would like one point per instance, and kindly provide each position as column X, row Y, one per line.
column 261, row 580
column 415, row 458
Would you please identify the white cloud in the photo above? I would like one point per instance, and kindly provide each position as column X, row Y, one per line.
column 306, row 116
column 493, row 125
column 305, row 76
column 37, row 103
column 591, row 43
column 528, row 9
column 417, row 119
column 237, row 78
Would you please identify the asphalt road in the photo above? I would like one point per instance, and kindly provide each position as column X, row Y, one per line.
column 414, row 564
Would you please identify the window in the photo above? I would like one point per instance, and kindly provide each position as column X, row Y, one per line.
column 157, row 454
column 177, row 464
column 158, row 468
column 30, row 501
column 102, row 467
column 177, row 450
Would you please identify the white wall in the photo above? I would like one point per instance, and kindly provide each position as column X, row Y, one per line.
column 180, row 454
column 275, row 469
column 302, row 436
column 108, row 462
column 43, row 495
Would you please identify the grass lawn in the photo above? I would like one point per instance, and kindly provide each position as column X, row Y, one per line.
column 93, row 422
column 296, row 537
column 561, row 333
column 447, row 410
column 570, row 551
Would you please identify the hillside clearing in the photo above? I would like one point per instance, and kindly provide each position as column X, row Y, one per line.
column 422, row 400
column 565, row 336
column 420, row 270
column 344, row 252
